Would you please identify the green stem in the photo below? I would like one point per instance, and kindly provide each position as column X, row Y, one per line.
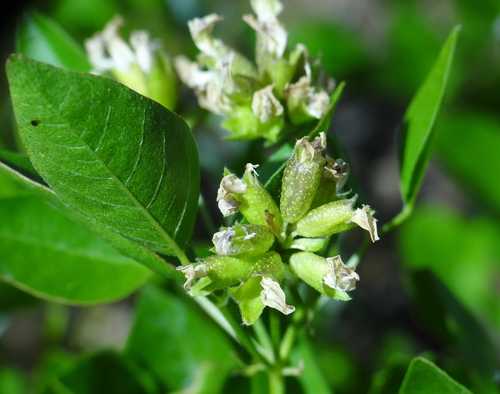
column 276, row 382
column 264, row 340
column 398, row 219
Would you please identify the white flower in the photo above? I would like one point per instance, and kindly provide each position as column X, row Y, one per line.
column 107, row 50
column 201, row 32
column 227, row 203
column 265, row 106
column 192, row 272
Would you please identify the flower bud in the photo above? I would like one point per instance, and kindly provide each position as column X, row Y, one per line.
column 251, row 198
column 301, row 178
column 330, row 276
column 262, row 289
column 243, row 240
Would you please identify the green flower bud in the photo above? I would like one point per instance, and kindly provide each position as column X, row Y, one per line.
column 251, row 198
column 328, row 219
column 309, row 244
column 336, row 217
column 221, row 271
column 243, row 240
column 330, row 276
column 301, row 178
column 333, row 178
column 262, row 289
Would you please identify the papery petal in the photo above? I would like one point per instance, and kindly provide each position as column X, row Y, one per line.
column 192, row 272
column 144, row 49
column 366, row 221
column 230, row 184
column 340, row 277
column 201, row 32
column 191, row 73
column 273, row 296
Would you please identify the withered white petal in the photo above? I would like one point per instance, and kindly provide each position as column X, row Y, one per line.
column 225, row 200
column 273, row 296
column 265, row 106
column 318, row 104
column 223, row 242
column 340, row 277
column 144, row 49
column 192, row 272
column 366, row 221
column 191, row 73
column 273, row 36
column 201, row 32
column 266, row 9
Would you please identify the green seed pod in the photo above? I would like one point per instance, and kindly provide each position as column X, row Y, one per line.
column 247, row 240
column 270, row 266
column 330, row 276
column 257, row 203
column 328, row 219
column 301, row 178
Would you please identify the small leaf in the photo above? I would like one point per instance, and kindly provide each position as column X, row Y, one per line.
column 114, row 156
column 420, row 119
column 176, row 342
column 423, row 377
column 49, row 256
column 41, row 38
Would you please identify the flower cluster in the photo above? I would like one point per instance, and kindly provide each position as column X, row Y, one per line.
column 312, row 208
column 142, row 65
column 284, row 87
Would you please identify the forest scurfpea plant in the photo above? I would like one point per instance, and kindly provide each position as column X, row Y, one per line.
column 127, row 168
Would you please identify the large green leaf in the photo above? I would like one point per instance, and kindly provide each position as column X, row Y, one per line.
column 140, row 254
column 423, row 377
column 178, row 344
column 419, row 122
column 41, row 38
column 49, row 256
column 116, row 157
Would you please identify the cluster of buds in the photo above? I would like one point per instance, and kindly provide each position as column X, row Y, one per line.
column 284, row 87
column 142, row 66
column 312, row 208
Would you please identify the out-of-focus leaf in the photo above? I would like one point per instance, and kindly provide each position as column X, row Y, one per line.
column 453, row 324
column 389, row 379
column 467, row 143
column 177, row 343
column 42, row 39
column 463, row 253
column 49, row 256
column 102, row 373
column 419, row 122
column 423, row 377
column 12, row 382
column 12, row 298
column 120, row 159
column 124, row 245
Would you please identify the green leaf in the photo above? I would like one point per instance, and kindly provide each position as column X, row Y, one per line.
column 178, row 343
column 41, row 38
column 124, row 245
column 47, row 255
column 475, row 133
column 419, row 122
column 423, row 377
column 116, row 157
column 12, row 381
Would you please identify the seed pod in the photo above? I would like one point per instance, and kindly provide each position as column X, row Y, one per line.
column 248, row 240
column 328, row 219
column 301, row 178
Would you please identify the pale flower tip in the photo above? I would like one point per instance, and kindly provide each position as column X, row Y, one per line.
column 191, row 273
column 227, row 203
column 273, row 296
column 366, row 221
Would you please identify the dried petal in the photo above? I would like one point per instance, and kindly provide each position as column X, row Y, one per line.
column 230, row 185
column 273, row 296
column 192, row 272
column 265, row 106
column 366, row 221
column 340, row 276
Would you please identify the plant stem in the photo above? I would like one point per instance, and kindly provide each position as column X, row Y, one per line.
column 276, row 382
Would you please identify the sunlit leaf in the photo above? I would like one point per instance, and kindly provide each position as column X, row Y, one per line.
column 112, row 155
column 420, row 119
column 423, row 377
column 47, row 255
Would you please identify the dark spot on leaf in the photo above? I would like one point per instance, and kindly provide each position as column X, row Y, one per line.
column 35, row 122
